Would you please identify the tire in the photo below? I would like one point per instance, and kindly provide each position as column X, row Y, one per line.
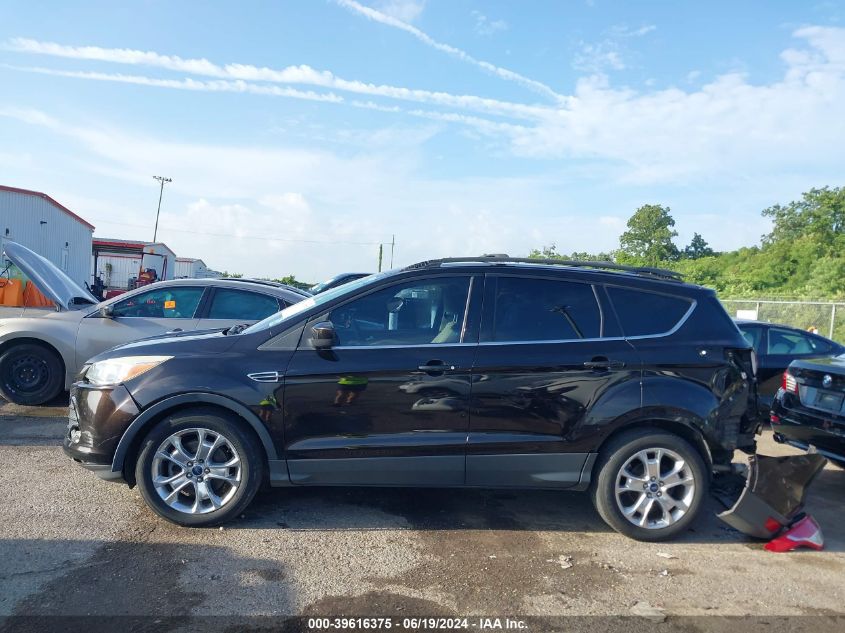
column 204, row 494
column 659, row 512
column 30, row 374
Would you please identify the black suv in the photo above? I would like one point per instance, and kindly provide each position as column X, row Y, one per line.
column 482, row 372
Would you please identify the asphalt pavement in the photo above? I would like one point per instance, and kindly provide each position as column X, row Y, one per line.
column 71, row 544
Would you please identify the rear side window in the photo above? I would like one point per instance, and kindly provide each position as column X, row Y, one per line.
column 239, row 304
column 530, row 309
column 752, row 335
column 792, row 343
column 643, row 313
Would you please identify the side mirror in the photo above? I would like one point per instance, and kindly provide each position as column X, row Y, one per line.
column 106, row 312
column 323, row 335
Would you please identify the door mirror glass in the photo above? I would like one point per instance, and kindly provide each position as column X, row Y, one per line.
column 323, row 335
column 106, row 312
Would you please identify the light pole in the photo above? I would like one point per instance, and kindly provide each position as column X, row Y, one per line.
column 162, row 180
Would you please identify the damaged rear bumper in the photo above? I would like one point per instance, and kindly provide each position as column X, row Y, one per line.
column 774, row 493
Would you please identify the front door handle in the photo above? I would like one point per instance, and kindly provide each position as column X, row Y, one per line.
column 174, row 330
column 604, row 363
column 436, row 367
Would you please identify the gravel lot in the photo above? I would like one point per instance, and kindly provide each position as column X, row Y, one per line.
column 71, row 544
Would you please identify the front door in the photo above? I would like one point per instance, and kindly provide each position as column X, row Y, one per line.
column 388, row 404
column 141, row 315
column 549, row 354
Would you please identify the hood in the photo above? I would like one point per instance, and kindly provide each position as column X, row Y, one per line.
column 204, row 341
column 54, row 283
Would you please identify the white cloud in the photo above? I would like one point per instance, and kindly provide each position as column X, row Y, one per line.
column 485, row 26
column 503, row 73
column 729, row 127
column 185, row 84
column 405, row 10
column 623, row 30
column 302, row 74
column 598, row 58
column 275, row 210
column 609, row 53
column 726, row 128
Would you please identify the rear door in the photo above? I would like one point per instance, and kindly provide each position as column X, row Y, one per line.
column 228, row 306
column 140, row 315
column 549, row 351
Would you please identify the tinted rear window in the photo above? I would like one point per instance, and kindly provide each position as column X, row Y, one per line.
column 645, row 313
column 544, row 310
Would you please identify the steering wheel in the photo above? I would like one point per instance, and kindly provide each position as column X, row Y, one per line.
column 349, row 324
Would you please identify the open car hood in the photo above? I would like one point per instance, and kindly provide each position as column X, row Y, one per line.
column 54, row 283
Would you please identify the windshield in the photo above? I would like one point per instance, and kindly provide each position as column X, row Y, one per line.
column 306, row 304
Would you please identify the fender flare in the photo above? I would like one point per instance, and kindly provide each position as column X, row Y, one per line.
column 163, row 406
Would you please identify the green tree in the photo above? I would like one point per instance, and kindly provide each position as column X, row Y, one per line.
column 820, row 215
column 226, row 273
column 697, row 248
column 648, row 239
column 550, row 252
column 291, row 280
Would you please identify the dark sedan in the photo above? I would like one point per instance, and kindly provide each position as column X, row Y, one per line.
column 809, row 409
column 777, row 346
column 337, row 280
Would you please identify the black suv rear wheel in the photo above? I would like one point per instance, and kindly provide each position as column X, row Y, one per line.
column 199, row 467
column 30, row 374
column 650, row 485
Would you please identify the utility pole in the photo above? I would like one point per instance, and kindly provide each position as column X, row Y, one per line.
column 380, row 252
column 392, row 246
column 162, row 180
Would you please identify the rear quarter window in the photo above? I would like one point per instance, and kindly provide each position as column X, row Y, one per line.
column 644, row 313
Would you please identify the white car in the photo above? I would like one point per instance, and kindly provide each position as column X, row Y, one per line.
column 41, row 355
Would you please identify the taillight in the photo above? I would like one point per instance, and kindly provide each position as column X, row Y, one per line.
column 788, row 383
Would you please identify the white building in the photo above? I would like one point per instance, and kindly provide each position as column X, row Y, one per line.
column 188, row 267
column 47, row 227
column 119, row 262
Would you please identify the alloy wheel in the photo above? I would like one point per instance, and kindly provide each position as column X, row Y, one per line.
column 654, row 488
column 196, row 471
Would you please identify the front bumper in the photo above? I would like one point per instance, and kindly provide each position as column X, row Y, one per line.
column 97, row 419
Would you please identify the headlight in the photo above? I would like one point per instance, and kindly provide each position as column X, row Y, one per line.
column 116, row 370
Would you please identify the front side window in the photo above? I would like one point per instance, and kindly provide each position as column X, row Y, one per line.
column 792, row 343
column 544, row 310
column 644, row 313
column 161, row 303
column 239, row 304
column 752, row 335
column 420, row 312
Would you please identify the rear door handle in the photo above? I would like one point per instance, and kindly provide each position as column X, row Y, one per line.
column 173, row 331
column 604, row 364
column 436, row 367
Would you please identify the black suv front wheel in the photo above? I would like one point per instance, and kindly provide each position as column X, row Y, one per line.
column 650, row 485
column 199, row 467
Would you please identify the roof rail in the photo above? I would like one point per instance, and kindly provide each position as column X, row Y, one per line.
column 660, row 273
column 267, row 282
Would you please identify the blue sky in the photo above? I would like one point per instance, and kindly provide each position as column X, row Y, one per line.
column 299, row 134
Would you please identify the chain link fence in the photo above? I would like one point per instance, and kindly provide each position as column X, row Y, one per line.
column 828, row 318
